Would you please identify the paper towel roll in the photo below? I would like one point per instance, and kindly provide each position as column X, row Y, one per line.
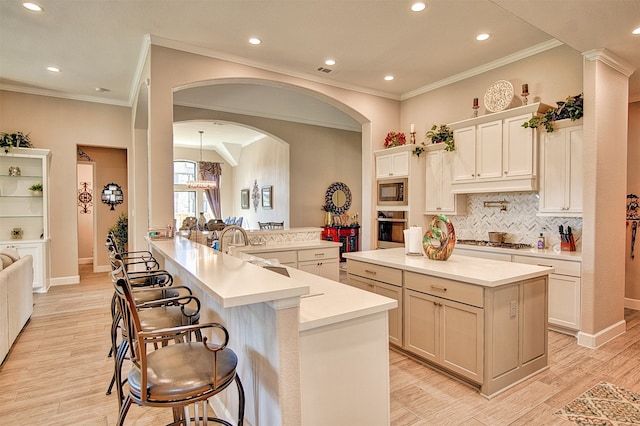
column 413, row 240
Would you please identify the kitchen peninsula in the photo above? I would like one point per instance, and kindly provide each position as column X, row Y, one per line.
column 300, row 339
column 480, row 320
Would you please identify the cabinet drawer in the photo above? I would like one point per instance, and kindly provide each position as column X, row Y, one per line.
column 375, row 272
column 318, row 254
column 447, row 289
column 282, row 256
column 562, row 267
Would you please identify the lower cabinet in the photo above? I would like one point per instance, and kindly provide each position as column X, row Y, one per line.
column 384, row 281
column 38, row 250
column 323, row 262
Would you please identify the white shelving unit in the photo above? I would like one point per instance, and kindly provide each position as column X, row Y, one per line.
column 24, row 217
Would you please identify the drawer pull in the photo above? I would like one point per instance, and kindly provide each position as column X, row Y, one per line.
column 438, row 288
column 546, row 266
column 437, row 304
column 319, row 254
column 368, row 271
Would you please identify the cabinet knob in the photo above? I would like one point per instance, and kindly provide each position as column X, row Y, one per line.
column 438, row 208
column 506, row 172
column 390, row 174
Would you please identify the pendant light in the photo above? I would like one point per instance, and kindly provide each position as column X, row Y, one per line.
column 199, row 183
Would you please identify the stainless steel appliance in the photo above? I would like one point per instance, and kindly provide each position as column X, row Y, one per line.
column 392, row 192
column 391, row 225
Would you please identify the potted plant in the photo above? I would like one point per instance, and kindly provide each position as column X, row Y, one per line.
column 120, row 231
column 36, row 189
column 14, row 140
column 394, row 139
column 571, row 108
column 441, row 134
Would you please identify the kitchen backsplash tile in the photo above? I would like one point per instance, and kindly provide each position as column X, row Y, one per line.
column 519, row 220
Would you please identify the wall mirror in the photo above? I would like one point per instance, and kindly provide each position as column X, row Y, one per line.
column 338, row 197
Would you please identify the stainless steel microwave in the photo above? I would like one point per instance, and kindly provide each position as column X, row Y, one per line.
column 392, row 192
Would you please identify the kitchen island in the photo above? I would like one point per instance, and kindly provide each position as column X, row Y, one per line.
column 300, row 339
column 480, row 320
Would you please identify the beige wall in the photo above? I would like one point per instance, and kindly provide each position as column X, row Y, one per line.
column 60, row 125
column 319, row 156
column 85, row 219
column 632, row 278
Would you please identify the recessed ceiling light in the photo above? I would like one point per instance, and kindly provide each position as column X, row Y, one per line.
column 33, row 7
column 418, row 6
column 636, row 31
column 255, row 40
column 330, row 62
column 483, row 37
column 388, row 77
column 54, row 69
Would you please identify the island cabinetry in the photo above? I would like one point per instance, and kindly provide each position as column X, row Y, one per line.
column 285, row 258
column 494, row 153
column 561, row 170
column 322, row 262
column 439, row 174
column 444, row 323
column 564, row 292
column 394, row 164
column 383, row 281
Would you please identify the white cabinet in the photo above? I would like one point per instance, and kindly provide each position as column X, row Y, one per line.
column 494, row 153
column 285, row 258
column 392, row 165
column 384, row 281
column 564, row 292
column 561, row 170
column 439, row 174
column 322, row 262
column 24, row 214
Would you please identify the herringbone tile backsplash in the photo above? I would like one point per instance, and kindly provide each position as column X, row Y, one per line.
column 519, row 221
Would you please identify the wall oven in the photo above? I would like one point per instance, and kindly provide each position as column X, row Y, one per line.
column 392, row 192
column 391, row 225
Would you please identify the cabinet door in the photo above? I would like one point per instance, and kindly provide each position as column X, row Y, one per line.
column 564, row 301
column 433, row 182
column 325, row 268
column 384, row 166
column 392, row 165
column 36, row 250
column 464, row 169
column 574, row 139
column 489, row 155
column 395, row 315
column 461, row 336
column 448, row 200
column 421, row 325
column 554, row 162
column 518, row 147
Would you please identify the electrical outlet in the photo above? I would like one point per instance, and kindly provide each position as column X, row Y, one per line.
column 513, row 309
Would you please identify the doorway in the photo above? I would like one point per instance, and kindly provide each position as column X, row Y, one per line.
column 86, row 218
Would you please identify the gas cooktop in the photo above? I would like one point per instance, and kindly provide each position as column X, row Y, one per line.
column 491, row 244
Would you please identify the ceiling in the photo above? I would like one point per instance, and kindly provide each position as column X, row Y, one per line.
column 100, row 44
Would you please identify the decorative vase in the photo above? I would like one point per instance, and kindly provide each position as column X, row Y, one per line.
column 328, row 219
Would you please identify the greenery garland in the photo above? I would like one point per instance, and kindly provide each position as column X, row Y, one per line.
column 571, row 108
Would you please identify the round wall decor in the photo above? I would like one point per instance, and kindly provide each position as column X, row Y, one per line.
column 338, row 197
column 498, row 96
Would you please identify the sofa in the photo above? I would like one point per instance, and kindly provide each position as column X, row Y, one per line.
column 16, row 296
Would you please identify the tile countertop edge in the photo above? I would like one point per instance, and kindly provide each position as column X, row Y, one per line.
column 573, row 256
column 503, row 272
column 227, row 294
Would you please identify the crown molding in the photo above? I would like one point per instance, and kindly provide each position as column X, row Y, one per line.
column 606, row 57
column 62, row 95
column 506, row 60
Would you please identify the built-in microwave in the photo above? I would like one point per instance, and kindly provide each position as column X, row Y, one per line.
column 392, row 192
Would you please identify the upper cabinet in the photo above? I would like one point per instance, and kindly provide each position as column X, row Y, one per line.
column 439, row 174
column 561, row 170
column 393, row 164
column 494, row 153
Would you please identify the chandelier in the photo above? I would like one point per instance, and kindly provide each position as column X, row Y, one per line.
column 201, row 183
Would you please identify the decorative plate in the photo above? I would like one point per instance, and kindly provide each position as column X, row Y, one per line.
column 498, row 96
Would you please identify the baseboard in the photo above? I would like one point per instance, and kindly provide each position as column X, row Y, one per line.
column 603, row 336
column 85, row 261
column 632, row 304
column 75, row 279
column 102, row 268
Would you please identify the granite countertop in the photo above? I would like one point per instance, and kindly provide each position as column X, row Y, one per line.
column 472, row 270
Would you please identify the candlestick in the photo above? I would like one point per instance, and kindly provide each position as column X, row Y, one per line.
column 525, row 93
column 413, row 128
column 475, row 102
column 475, row 107
column 413, row 137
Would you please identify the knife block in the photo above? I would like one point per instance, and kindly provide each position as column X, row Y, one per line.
column 568, row 245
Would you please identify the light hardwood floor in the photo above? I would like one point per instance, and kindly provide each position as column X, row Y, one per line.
column 58, row 370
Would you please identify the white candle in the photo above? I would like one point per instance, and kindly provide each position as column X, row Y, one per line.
column 413, row 128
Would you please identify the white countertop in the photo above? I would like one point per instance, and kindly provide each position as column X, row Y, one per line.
column 472, row 270
column 548, row 253
column 235, row 282
column 291, row 245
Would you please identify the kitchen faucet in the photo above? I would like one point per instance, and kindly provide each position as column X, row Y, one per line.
column 222, row 233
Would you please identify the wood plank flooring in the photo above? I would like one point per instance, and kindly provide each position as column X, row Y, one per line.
column 58, row 371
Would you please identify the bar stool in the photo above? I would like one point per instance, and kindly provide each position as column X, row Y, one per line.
column 177, row 374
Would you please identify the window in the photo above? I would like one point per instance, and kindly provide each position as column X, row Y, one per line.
column 186, row 201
